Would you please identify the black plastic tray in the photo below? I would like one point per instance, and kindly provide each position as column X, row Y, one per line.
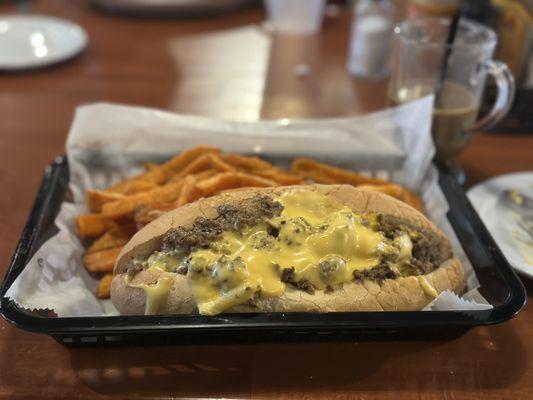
column 499, row 285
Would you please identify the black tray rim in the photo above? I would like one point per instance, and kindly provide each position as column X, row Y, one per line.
column 22, row 319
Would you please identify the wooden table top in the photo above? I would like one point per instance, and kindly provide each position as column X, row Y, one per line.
column 147, row 62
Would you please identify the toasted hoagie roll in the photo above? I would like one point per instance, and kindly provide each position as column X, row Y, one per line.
column 311, row 248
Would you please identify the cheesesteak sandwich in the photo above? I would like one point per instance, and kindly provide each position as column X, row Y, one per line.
column 313, row 248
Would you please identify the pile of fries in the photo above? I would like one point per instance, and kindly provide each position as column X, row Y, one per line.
column 120, row 210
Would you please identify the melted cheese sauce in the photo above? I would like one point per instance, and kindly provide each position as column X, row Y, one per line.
column 157, row 293
column 322, row 240
column 427, row 288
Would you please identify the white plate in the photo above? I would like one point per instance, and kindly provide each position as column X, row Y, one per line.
column 28, row 41
column 500, row 219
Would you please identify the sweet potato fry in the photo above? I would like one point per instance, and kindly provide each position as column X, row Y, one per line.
column 126, row 207
column 104, row 287
column 155, row 176
column 96, row 198
column 199, row 164
column 189, row 192
column 261, row 168
column 138, row 187
column 247, row 163
column 219, row 164
column 178, row 163
column 249, row 180
column 230, row 180
column 119, row 235
column 205, row 162
column 199, row 175
column 279, row 176
column 324, row 173
column 101, row 261
column 93, row 225
column 208, row 173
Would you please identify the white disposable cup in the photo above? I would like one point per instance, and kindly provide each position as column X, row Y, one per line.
column 302, row 17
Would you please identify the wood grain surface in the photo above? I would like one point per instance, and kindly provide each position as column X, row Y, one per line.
column 142, row 62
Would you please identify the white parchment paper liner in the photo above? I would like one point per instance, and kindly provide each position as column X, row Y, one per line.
column 108, row 142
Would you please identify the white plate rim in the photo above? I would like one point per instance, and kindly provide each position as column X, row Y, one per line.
column 474, row 195
column 45, row 61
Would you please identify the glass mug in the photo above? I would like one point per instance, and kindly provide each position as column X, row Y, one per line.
column 419, row 48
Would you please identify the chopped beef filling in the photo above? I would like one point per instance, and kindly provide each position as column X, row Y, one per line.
column 288, row 276
column 378, row 274
column 390, row 226
column 428, row 250
column 204, row 231
column 421, row 267
column 134, row 268
column 306, row 286
column 249, row 212
column 182, row 269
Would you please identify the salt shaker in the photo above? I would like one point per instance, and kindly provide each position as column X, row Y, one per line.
column 370, row 38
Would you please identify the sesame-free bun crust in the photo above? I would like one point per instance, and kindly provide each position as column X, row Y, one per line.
column 405, row 293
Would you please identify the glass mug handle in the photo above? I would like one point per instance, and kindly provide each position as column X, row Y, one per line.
column 506, row 90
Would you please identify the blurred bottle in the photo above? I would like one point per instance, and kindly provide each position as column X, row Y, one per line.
column 432, row 8
column 368, row 52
